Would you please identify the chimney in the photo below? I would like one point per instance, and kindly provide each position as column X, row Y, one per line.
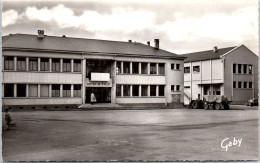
column 130, row 41
column 156, row 43
column 148, row 43
column 40, row 34
column 215, row 49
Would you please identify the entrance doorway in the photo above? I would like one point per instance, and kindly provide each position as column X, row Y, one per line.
column 102, row 94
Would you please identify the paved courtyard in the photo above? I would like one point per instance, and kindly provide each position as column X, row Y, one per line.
column 132, row 135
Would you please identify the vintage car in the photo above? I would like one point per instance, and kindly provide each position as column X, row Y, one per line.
column 252, row 102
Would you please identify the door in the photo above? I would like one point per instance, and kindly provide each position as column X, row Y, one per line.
column 102, row 94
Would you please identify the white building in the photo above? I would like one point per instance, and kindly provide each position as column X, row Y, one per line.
column 232, row 72
column 41, row 71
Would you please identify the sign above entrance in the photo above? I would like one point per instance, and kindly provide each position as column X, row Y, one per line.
column 95, row 76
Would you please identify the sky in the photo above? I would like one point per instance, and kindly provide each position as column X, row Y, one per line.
column 183, row 26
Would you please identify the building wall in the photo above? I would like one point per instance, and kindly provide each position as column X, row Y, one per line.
column 241, row 55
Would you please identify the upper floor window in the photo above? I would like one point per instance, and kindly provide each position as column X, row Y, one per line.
column 77, row 65
column 9, row 63
column 196, row 68
column 161, row 68
column 56, row 65
column 126, row 66
column 177, row 87
column 144, row 68
column 234, row 68
column 33, row 64
column 177, row 66
column 153, row 68
column 66, row 65
column 187, row 69
column 250, row 85
column 172, row 66
column 21, row 63
column 239, row 68
column 245, row 69
column 118, row 66
column 44, row 64
column 245, row 84
column 250, row 69
column 234, row 84
column 239, row 84
column 135, row 67
column 172, row 87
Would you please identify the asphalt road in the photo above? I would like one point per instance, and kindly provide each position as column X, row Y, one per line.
column 132, row 135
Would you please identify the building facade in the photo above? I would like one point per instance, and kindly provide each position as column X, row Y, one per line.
column 232, row 72
column 40, row 70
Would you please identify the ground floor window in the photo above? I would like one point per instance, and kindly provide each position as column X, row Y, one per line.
column 250, row 85
column 66, row 90
column 21, row 90
column 33, row 90
column 44, row 90
column 77, row 91
column 144, row 90
column 135, row 90
column 118, row 90
column 9, row 90
column 161, row 90
column 153, row 90
column 126, row 90
column 55, row 91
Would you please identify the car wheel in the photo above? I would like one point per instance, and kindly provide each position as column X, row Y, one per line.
column 195, row 104
column 217, row 106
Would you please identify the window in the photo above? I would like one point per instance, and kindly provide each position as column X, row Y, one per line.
column 9, row 63
column 66, row 65
column 118, row 90
column 172, row 66
column 172, row 87
column 250, row 69
column 245, row 84
column 55, row 91
column 33, row 64
column 135, row 67
column 77, row 65
column 239, row 84
column 126, row 67
column 250, row 85
column 21, row 63
column 44, row 64
column 161, row 68
column 196, row 69
column 9, row 90
column 144, row 68
column 245, row 69
column 33, row 90
column 161, row 90
column 218, row 92
column 177, row 87
column 126, row 90
column 21, row 90
column 56, row 65
column 239, row 68
column 153, row 68
column 77, row 90
column 144, row 90
column 234, row 68
column 153, row 90
column 135, row 90
column 44, row 90
column 177, row 66
column 234, row 84
column 186, row 70
column 66, row 90
column 118, row 67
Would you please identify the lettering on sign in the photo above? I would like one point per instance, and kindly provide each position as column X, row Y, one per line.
column 98, row 84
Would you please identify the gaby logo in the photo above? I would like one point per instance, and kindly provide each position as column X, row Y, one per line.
column 227, row 142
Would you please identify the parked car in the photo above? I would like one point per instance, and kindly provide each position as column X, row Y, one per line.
column 252, row 102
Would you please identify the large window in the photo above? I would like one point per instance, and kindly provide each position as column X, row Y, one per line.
column 250, row 85
column 196, row 69
column 55, row 91
column 144, row 68
column 44, row 64
column 239, row 68
column 66, row 65
column 245, row 69
column 9, row 90
column 126, row 90
column 118, row 67
column 66, row 90
column 135, row 90
column 234, row 68
column 245, row 84
column 21, row 90
column 153, row 68
column 9, row 63
column 118, row 90
column 77, row 90
column 33, row 64
column 153, row 90
column 44, row 90
column 250, row 69
column 33, row 90
column 135, row 67
column 161, row 68
column 239, row 84
column 186, row 70
column 77, row 65
column 21, row 63
column 234, row 84
column 55, row 65
column 144, row 90
column 161, row 90
column 126, row 67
